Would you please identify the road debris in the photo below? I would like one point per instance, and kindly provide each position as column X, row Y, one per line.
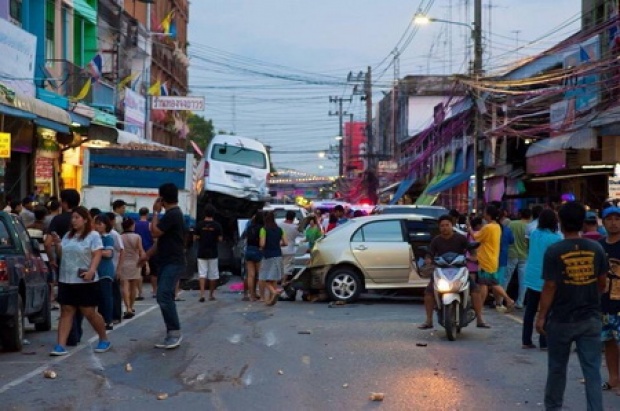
column 337, row 304
column 280, row 372
column 162, row 396
column 304, row 332
column 345, row 385
column 421, row 344
column 376, row 396
column 128, row 367
column 51, row 374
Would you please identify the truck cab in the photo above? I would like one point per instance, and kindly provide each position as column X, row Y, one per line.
column 24, row 289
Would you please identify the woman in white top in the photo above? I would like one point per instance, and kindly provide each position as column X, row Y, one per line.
column 78, row 283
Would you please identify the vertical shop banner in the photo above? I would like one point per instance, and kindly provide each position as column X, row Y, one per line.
column 18, row 49
column 355, row 148
column 583, row 89
column 135, row 113
column 5, row 145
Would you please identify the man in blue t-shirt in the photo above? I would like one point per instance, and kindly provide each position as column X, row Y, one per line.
column 610, row 300
column 574, row 271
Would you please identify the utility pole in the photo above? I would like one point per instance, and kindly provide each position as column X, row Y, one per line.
column 477, row 73
column 148, row 130
column 340, row 113
column 369, row 136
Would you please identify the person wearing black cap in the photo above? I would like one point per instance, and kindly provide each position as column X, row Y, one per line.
column 610, row 300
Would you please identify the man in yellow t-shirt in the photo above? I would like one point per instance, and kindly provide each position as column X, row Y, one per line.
column 488, row 256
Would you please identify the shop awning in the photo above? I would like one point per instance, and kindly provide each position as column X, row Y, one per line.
column 52, row 125
column 428, row 199
column 42, row 109
column 582, row 139
column 403, row 187
column 575, row 175
column 85, row 10
column 15, row 112
column 459, row 176
column 79, row 120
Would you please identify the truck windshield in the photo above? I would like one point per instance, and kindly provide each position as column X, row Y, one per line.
column 238, row 155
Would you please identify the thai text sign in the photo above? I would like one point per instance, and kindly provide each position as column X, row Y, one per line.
column 5, row 145
column 178, row 103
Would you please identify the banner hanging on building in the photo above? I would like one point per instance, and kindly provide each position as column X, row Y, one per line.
column 135, row 113
column 5, row 145
column 18, row 49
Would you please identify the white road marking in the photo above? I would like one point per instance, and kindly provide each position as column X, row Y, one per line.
column 270, row 339
column 515, row 318
column 235, row 339
column 57, row 360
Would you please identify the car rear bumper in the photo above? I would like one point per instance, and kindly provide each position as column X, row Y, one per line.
column 8, row 300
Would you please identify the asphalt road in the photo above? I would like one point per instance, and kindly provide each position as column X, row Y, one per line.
column 299, row 356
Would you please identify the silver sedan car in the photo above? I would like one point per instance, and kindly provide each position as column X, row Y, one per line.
column 377, row 252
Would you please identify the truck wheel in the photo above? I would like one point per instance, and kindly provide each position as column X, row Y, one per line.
column 343, row 284
column 12, row 332
column 45, row 322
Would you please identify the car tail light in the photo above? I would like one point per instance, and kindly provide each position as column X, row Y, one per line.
column 4, row 274
column 206, row 169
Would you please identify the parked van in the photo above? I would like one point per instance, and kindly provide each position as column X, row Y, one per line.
column 236, row 176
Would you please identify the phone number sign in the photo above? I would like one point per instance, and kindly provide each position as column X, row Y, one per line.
column 178, row 103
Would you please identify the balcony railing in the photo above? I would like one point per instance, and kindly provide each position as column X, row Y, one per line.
column 69, row 79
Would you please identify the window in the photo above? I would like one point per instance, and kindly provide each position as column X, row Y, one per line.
column 49, row 33
column 239, row 155
column 389, row 231
column 15, row 12
column 423, row 231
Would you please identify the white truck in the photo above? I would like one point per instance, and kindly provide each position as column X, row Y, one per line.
column 133, row 173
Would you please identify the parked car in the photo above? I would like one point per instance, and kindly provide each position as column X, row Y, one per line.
column 24, row 290
column 280, row 210
column 430, row 211
column 377, row 252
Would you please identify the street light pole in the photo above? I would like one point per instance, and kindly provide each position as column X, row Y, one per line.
column 476, row 72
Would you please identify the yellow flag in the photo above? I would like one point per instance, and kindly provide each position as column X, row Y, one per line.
column 165, row 23
column 85, row 89
column 155, row 89
column 126, row 81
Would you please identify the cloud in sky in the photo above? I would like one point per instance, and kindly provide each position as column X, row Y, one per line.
column 238, row 45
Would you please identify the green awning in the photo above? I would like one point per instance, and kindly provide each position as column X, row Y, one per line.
column 85, row 10
column 429, row 199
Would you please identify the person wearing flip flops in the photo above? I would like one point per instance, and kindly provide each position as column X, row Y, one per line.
column 610, row 299
column 449, row 240
column 488, row 256
column 271, row 239
column 575, row 274
column 209, row 234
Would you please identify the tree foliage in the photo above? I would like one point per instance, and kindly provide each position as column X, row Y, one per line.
column 201, row 131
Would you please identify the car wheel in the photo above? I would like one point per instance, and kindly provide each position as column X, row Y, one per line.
column 12, row 332
column 343, row 284
column 46, row 316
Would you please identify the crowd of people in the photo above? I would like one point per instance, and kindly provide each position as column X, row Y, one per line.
column 97, row 261
column 568, row 268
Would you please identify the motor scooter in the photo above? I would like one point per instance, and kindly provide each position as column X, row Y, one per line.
column 452, row 293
